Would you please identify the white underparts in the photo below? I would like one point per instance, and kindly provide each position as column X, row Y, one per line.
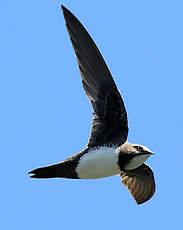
column 97, row 163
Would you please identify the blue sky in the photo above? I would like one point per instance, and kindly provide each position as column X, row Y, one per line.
column 46, row 117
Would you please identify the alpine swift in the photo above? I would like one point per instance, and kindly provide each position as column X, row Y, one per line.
column 108, row 152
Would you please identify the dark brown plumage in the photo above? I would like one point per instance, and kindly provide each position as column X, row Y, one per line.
column 109, row 128
column 140, row 182
column 110, row 125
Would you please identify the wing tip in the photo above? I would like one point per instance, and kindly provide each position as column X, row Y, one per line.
column 66, row 12
column 63, row 8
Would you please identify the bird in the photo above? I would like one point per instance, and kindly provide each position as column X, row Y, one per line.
column 108, row 151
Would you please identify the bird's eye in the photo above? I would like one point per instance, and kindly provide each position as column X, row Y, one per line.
column 137, row 147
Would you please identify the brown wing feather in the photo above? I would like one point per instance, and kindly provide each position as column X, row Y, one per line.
column 110, row 125
column 140, row 182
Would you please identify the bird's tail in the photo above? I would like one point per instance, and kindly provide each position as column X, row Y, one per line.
column 61, row 169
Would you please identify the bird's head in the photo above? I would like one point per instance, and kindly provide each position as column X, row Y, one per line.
column 141, row 149
column 133, row 155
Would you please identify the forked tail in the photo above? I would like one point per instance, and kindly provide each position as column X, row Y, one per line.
column 63, row 169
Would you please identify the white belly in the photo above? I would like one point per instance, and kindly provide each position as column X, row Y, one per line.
column 101, row 162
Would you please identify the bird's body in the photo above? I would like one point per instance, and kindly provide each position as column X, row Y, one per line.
column 107, row 161
column 108, row 152
column 98, row 163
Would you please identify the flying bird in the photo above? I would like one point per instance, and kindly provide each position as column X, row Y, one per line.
column 108, row 152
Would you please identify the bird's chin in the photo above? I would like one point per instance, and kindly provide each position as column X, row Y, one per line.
column 136, row 162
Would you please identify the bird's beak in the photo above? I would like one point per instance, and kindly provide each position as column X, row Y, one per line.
column 148, row 152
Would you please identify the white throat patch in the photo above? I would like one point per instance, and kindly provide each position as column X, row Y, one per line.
column 136, row 161
column 97, row 163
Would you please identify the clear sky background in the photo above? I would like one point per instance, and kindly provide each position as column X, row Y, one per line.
column 45, row 116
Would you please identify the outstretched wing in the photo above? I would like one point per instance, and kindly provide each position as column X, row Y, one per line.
column 109, row 125
column 140, row 182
